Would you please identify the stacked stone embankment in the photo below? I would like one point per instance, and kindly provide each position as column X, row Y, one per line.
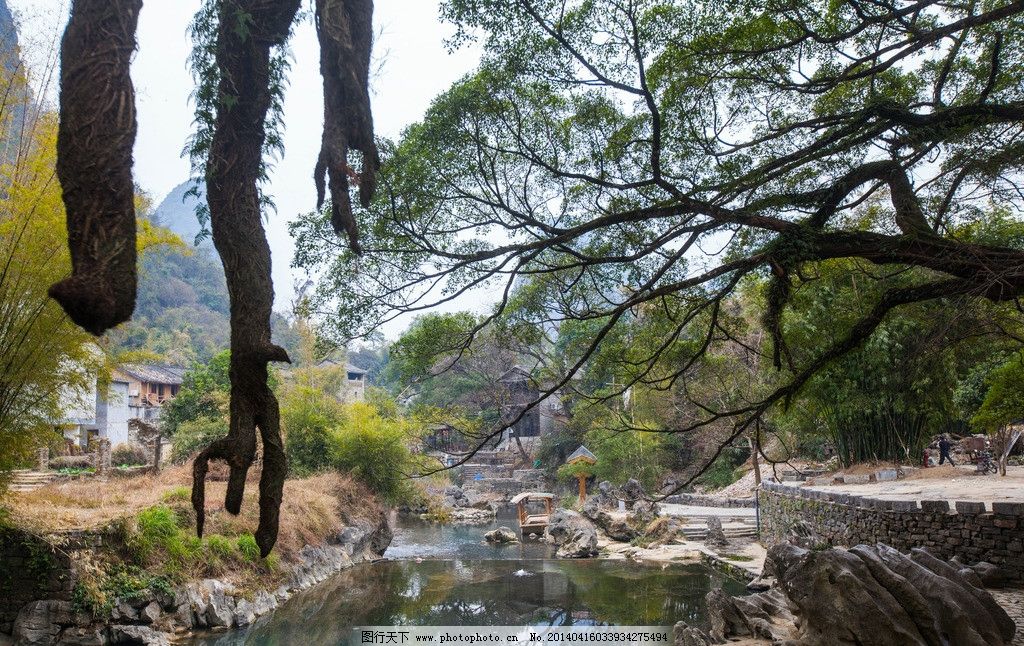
column 701, row 500
column 969, row 531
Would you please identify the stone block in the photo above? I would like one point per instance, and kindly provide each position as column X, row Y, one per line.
column 904, row 505
column 935, row 506
column 964, row 507
column 1008, row 508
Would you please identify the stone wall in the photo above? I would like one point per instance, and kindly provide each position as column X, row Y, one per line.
column 699, row 500
column 968, row 530
column 30, row 569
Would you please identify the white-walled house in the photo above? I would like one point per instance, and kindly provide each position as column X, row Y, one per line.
column 136, row 391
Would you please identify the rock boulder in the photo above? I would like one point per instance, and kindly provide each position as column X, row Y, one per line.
column 870, row 595
column 575, row 536
column 501, row 535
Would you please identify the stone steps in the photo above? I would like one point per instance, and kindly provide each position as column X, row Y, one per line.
column 700, row 533
column 26, row 480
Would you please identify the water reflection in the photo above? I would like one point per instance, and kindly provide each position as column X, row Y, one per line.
column 461, row 592
column 444, row 575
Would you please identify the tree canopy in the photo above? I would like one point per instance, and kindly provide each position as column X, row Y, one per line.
column 612, row 163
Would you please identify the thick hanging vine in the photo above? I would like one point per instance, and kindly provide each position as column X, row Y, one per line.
column 94, row 162
column 239, row 62
column 346, row 37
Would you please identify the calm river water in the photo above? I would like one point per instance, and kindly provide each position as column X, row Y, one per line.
column 440, row 575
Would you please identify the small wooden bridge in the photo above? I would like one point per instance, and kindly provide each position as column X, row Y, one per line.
column 533, row 523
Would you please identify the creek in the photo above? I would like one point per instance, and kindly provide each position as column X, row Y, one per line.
column 448, row 575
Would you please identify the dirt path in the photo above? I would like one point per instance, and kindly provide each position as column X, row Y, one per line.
column 951, row 484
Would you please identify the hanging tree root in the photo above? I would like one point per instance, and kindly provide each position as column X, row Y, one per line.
column 94, row 162
column 247, row 31
column 345, row 30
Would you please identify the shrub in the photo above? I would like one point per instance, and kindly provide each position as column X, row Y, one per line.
column 373, row 450
column 129, row 454
column 195, row 435
column 307, row 417
column 219, row 547
column 177, row 494
column 157, row 528
column 625, row 455
column 71, row 462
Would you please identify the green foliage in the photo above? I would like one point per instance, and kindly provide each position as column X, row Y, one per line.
column 248, row 548
column 195, row 435
column 161, row 541
column 203, row 394
column 1004, row 400
column 571, row 472
column 622, row 173
column 308, row 418
column 722, row 473
column 374, row 450
column 96, row 593
column 430, row 339
column 887, row 398
column 625, row 455
column 157, row 529
column 219, row 547
column 177, row 494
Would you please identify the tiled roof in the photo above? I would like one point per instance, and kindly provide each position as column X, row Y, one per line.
column 348, row 366
column 154, row 374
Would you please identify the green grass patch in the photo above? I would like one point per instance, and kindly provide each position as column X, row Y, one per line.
column 248, row 548
column 177, row 494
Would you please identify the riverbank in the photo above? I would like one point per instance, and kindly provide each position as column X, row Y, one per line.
column 113, row 562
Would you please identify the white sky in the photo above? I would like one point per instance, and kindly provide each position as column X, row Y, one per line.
column 416, row 68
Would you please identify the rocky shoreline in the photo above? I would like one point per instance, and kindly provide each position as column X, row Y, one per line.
column 862, row 595
column 161, row 617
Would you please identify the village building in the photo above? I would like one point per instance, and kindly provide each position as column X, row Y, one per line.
column 353, row 385
column 545, row 418
column 135, row 392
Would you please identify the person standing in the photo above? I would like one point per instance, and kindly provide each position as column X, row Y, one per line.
column 944, row 446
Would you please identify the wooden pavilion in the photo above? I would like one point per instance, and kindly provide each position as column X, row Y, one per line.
column 533, row 523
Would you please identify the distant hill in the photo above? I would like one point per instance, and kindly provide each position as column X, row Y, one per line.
column 182, row 310
column 177, row 212
column 14, row 104
column 8, row 38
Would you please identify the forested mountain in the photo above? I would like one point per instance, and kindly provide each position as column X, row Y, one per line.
column 8, row 37
column 182, row 308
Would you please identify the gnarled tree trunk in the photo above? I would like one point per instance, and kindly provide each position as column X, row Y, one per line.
column 248, row 29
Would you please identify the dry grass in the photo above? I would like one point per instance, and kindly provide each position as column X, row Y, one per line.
column 313, row 508
column 88, row 504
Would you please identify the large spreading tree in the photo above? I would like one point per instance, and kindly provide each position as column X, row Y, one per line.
column 615, row 161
